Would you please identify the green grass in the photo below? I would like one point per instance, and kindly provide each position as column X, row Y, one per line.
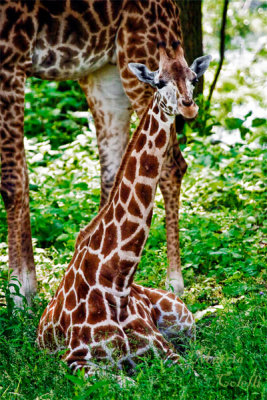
column 233, row 337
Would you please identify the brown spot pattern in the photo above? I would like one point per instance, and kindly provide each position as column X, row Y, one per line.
column 79, row 315
column 136, row 243
column 128, row 228
column 109, row 215
column 97, row 237
column 134, row 208
column 161, row 139
column 141, row 141
column 144, row 193
column 149, row 165
column 69, row 280
column 154, row 126
column 131, row 169
column 96, row 307
column 110, row 239
column 119, row 212
column 81, row 287
column 89, row 267
column 70, row 302
column 124, row 192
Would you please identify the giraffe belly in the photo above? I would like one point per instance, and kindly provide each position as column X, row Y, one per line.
column 68, row 64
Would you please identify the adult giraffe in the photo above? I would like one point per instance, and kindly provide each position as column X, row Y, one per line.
column 91, row 41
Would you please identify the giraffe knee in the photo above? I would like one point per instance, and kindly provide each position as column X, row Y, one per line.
column 183, row 166
column 10, row 193
column 178, row 171
column 180, row 166
column 180, row 162
column 107, row 180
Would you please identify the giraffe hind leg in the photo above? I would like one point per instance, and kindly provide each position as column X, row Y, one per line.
column 112, row 111
column 171, row 316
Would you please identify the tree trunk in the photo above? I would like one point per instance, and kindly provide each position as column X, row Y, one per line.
column 191, row 20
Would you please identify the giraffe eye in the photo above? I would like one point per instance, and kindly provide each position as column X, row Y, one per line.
column 194, row 81
column 161, row 84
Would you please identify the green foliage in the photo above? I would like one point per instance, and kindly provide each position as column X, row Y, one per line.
column 205, row 121
column 53, row 102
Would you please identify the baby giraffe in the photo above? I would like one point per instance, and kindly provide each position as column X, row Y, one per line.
column 98, row 313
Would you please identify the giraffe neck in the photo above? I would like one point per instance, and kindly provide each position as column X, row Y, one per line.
column 117, row 241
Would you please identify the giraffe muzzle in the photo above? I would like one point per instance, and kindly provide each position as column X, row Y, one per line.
column 188, row 109
column 187, row 103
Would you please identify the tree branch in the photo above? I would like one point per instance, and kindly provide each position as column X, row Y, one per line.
column 222, row 48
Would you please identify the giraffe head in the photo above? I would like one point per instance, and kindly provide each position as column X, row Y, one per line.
column 174, row 80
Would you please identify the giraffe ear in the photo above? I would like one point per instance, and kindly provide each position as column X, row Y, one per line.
column 200, row 65
column 143, row 73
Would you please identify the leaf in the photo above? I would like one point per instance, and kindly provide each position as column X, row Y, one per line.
column 33, row 187
column 93, row 388
column 75, row 379
column 258, row 122
column 81, row 185
column 248, row 114
column 233, row 123
column 243, row 132
column 63, row 237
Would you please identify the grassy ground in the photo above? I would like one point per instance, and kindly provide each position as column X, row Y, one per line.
column 234, row 337
column 222, row 240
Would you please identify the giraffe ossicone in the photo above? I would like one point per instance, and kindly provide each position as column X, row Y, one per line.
column 98, row 313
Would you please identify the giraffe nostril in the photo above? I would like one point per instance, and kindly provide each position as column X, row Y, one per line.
column 187, row 103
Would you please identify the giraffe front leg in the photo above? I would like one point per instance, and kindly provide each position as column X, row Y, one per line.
column 172, row 173
column 111, row 111
column 14, row 183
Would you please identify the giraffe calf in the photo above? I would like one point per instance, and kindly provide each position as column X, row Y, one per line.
column 98, row 314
